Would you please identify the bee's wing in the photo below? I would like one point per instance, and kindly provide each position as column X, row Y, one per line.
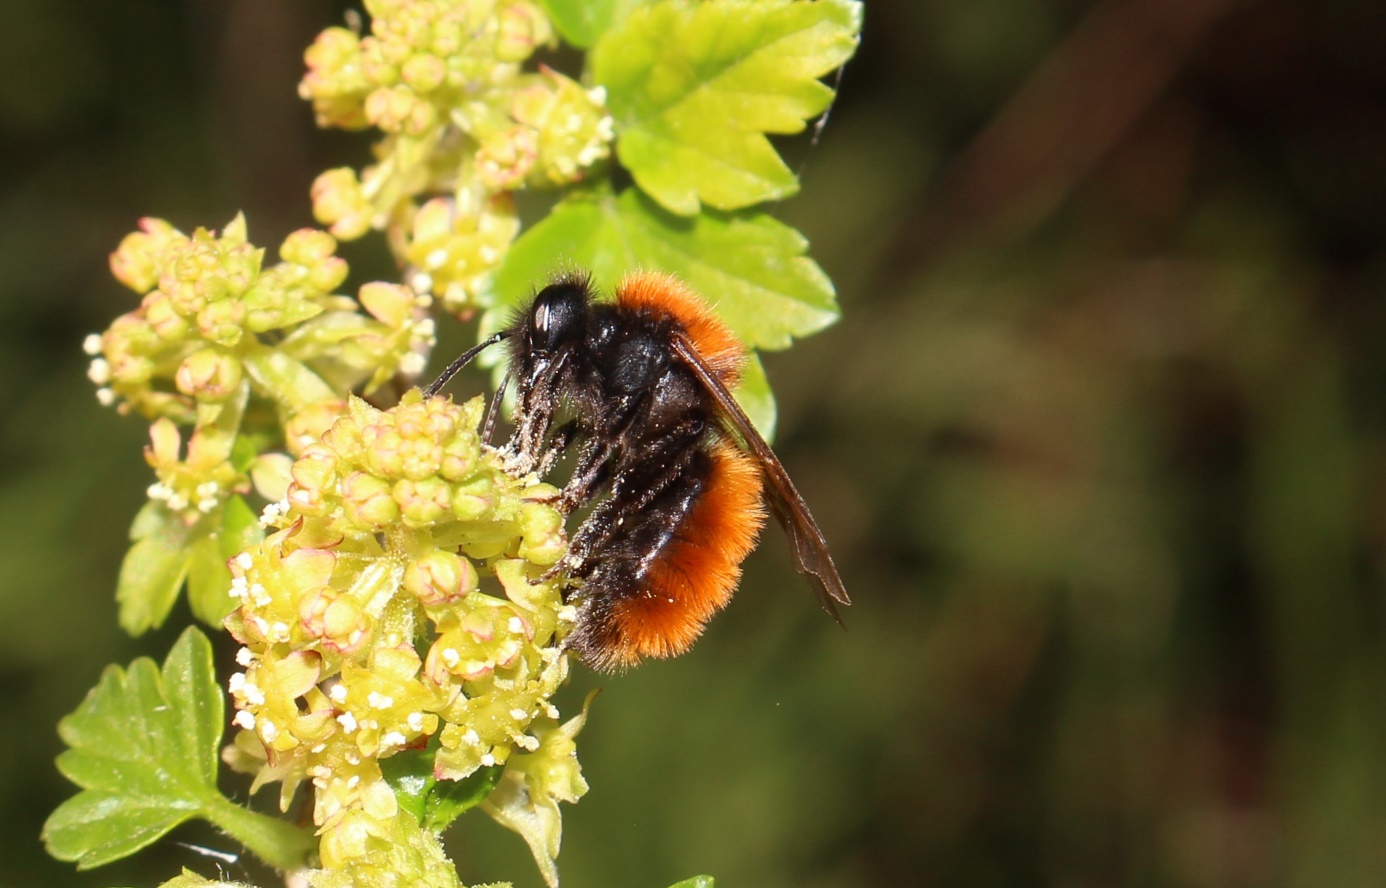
column 810, row 549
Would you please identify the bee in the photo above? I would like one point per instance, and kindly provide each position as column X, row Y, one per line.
column 676, row 477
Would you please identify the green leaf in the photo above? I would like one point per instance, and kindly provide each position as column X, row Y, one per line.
column 208, row 582
column 695, row 88
column 581, row 22
column 435, row 803
column 450, row 798
column 154, row 569
column 695, row 882
column 209, row 578
column 143, row 747
column 756, row 399
column 749, row 266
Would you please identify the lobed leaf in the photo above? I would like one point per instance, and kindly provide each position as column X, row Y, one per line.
column 143, row 747
column 581, row 22
column 154, row 569
column 695, row 87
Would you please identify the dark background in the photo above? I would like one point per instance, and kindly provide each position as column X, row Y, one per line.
column 1098, row 444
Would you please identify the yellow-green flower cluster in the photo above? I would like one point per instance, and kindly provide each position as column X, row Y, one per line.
column 215, row 330
column 195, row 484
column 396, row 606
column 366, row 852
column 207, row 302
column 464, row 126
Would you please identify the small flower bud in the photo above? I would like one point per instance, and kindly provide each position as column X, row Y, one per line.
column 440, row 578
column 368, row 501
column 209, row 375
column 221, row 321
column 422, row 502
column 134, row 263
column 340, row 203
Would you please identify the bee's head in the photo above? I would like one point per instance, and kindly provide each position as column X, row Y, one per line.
column 558, row 317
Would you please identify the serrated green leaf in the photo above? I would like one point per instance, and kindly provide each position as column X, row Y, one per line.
column 154, row 569
column 143, row 746
column 238, row 528
column 581, row 22
column 749, row 266
column 95, row 828
column 695, row 87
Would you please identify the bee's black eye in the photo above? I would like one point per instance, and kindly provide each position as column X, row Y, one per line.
column 558, row 316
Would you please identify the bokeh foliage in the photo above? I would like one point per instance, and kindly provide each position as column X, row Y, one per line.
column 1098, row 445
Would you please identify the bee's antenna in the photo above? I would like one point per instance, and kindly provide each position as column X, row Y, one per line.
column 463, row 360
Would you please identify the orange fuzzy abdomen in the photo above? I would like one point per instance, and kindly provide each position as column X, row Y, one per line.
column 696, row 574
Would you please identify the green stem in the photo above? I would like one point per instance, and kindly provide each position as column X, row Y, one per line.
column 277, row 842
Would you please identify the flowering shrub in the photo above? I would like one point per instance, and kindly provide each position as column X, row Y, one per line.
column 400, row 630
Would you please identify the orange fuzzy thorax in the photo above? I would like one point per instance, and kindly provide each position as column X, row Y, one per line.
column 664, row 295
column 696, row 576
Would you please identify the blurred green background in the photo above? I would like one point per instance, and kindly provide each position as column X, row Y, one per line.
column 1098, row 444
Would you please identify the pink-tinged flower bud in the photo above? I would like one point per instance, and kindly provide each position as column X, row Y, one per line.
column 208, row 375
column 340, row 203
column 399, row 110
column 221, row 321
column 368, row 501
column 422, row 502
column 473, row 499
column 335, row 82
column 506, row 157
column 423, row 72
column 544, row 539
column 460, row 456
column 337, row 619
column 382, row 449
column 308, row 425
column 521, row 29
column 135, row 262
column 440, row 578
column 315, row 471
column 315, row 251
column 163, row 318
